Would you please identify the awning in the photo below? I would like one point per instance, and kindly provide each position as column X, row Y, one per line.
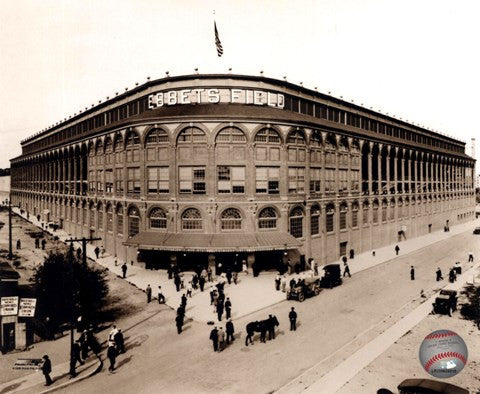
column 234, row 242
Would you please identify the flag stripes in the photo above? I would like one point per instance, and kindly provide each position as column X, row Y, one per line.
column 218, row 43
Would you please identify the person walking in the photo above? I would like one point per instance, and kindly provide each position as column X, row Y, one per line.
column 397, row 249
column 220, row 310
column 221, row 339
column 439, row 274
column 124, row 270
column 195, row 282
column 19, row 244
column 214, row 338
column 184, row 301
column 84, row 344
column 201, row 283
column 412, row 273
column 292, row 283
column 111, row 355
column 344, row 259
column 47, row 370
column 177, row 281
column 346, row 270
column 292, row 316
column 189, row 289
column 278, row 280
column 229, row 276
column 161, row 297
column 97, row 252
column 228, row 309
column 271, row 327
column 37, row 243
column 179, row 323
column 209, row 274
column 470, row 257
column 230, row 330
column 119, row 341
column 149, row 293
column 235, row 277
column 452, row 276
column 77, row 349
column 352, row 254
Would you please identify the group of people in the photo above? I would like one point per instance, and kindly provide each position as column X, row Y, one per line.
column 221, row 338
column 116, row 346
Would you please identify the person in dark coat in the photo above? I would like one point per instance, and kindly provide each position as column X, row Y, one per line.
column 212, row 296
column 19, row 244
column 77, row 349
column 235, row 277
column 278, row 280
column 352, row 254
column 44, row 243
column 228, row 309
column 229, row 330
column 184, row 301
column 149, row 293
column 397, row 249
column 220, row 309
column 181, row 311
column 170, row 271
column 229, row 276
column 195, row 282
column 439, row 274
column 112, row 355
column 37, row 243
column 179, row 323
column 177, row 281
column 47, row 370
column 452, row 276
column 292, row 316
column 292, row 283
column 201, row 283
column 124, row 270
column 271, row 327
column 119, row 341
column 412, row 273
column 214, row 338
column 97, row 252
column 346, row 270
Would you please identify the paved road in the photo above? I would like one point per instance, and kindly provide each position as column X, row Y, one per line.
column 331, row 326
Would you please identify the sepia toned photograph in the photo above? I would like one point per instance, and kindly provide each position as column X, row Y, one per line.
column 239, row 197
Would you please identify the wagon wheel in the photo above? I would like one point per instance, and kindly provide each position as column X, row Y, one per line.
column 301, row 297
column 317, row 291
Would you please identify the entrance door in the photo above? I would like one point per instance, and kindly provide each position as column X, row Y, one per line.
column 343, row 249
column 8, row 337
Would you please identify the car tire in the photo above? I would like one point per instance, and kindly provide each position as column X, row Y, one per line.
column 317, row 291
column 301, row 297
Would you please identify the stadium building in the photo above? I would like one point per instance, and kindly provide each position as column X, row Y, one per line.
column 220, row 168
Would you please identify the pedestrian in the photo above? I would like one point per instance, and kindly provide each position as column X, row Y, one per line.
column 244, row 267
column 452, row 276
column 439, row 274
column 412, row 273
column 235, row 277
column 221, row 339
column 19, row 244
column 189, row 289
column 37, row 243
column 278, row 280
column 470, row 256
column 212, row 296
column 184, row 301
column 230, row 330
column 179, row 323
column 201, row 283
column 79, row 250
column 292, row 283
column 397, row 249
column 75, row 357
column 177, row 281
column 220, row 310
column 47, row 370
column 161, row 297
column 102, row 251
column 214, row 338
column 292, row 316
column 271, row 327
column 352, row 254
column 229, row 276
column 112, row 355
column 84, row 344
column 346, row 270
column 344, row 259
column 97, row 252
column 195, row 281
column 181, row 311
column 315, row 267
column 228, row 309
column 209, row 273
column 124, row 269
column 119, row 341
column 149, row 293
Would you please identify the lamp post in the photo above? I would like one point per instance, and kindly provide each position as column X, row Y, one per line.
column 10, row 254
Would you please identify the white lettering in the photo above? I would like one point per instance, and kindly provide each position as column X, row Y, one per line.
column 159, row 100
column 269, row 101
column 235, row 95
column 257, row 97
column 184, row 99
column 198, row 93
column 172, row 97
column 248, row 96
column 150, row 102
column 280, row 100
column 213, row 96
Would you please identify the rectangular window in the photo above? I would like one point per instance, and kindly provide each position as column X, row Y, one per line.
column 119, row 180
column 91, row 181
column 230, row 179
column 354, row 218
column 329, row 222
column 192, row 180
column 100, row 181
column 120, row 224
column 158, row 179
column 315, row 180
column 296, row 180
column 108, row 181
column 267, row 180
column 343, row 180
column 354, row 180
column 330, row 180
column 133, row 180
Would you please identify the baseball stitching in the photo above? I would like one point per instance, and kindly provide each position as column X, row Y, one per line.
column 440, row 335
column 440, row 356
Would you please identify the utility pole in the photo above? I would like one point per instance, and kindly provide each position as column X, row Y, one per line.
column 10, row 254
column 84, row 246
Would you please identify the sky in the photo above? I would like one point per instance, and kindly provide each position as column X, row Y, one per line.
column 416, row 60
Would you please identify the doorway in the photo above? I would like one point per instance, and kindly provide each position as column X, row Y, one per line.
column 8, row 337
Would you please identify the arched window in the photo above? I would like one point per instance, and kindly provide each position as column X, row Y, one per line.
column 132, row 147
column 118, row 144
column 230, row 135
column 158, row 218
column 109, row 218
column 343, row 216
column 296, row 222
column 330, row 142
column 267, row 136
column 316, row 149
column 375, row 212
column 191, row 135
column 133, row 221
column 316, row 139
column 315, row 220
column 99, row 148
column 355, row 214
column 296, row 137
column 192, row 219
column 365, row 208
column 108, row 145
column 384, row 210
column 330, row 217
column 119, row 212
column 100, row 216
column 343, row 145
column 156, row 136
column 132, row 139
column 231, row 219
column 267, row 218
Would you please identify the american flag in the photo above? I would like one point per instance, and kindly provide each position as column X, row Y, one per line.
column 218, row 43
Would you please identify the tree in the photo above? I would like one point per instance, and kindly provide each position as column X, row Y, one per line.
column 66, row 289
column 471, row 309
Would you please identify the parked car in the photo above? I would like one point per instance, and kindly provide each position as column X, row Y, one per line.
column 446, row 302
column 476, row 230
column 428, row 386
column 332, row 277
column 308, row 287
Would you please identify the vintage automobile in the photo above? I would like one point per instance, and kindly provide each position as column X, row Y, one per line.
column 428, row 386
column 476, row 230
column 446, row 302
column 332, row 277
column 309, row 287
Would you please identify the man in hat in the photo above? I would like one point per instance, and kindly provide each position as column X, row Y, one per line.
column 47, row 370
column 230, row 330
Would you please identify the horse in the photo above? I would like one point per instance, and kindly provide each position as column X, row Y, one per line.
column 262, row 327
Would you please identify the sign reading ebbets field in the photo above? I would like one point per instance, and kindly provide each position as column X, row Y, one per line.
column 9, row 306
column 216, row 96
column 28, row 363
column 27, row 307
